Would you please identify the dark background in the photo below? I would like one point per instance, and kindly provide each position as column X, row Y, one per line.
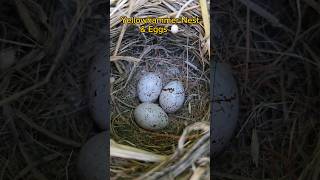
column 46, row 50
column 273, row 47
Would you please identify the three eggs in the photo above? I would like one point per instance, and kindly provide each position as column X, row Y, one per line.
column 150, row 115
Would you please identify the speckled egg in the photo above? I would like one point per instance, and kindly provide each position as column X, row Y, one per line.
column 149, row 87
column 93, row 158
column 150, row 116
column 172, row 96
column 225, row 106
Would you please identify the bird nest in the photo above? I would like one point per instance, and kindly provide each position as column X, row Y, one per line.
column 184, row 56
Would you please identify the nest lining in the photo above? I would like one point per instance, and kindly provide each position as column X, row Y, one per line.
column 176, row 57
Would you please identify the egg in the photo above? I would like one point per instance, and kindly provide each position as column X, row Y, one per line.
column 93, row 158
column 174, row 29
column 99, row 91
column 149, row 87
column 150, row 116
column 225, row 106
column 172, row 96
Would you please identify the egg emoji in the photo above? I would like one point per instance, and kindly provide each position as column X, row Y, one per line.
column 93, row 158
column 149, row 87
column 172, row 96
column 150, row 116
column 174, row 29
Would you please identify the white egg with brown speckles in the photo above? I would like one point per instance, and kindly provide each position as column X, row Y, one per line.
column 150, row 116
column 225, row 106
column 98, row 90
column 172, row 96
column 149, row 87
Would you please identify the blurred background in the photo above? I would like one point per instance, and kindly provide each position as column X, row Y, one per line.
column 273, row 47
column 46, row 47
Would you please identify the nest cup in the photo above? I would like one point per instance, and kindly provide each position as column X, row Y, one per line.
column 182, row 56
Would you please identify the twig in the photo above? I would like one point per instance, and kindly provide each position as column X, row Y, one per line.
column 175, row 13
column 123, row 30
column 17, row 43
column 265, row 14
column 46, row 132
column 38, row 175
column 8, row 112
column 67, row 165
column 200, row 148
column 183, row 7
column 315, row 5
column 126, row 58
column 34, row 164
column 282, row 53
column 197, row 174
column 248, row 47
